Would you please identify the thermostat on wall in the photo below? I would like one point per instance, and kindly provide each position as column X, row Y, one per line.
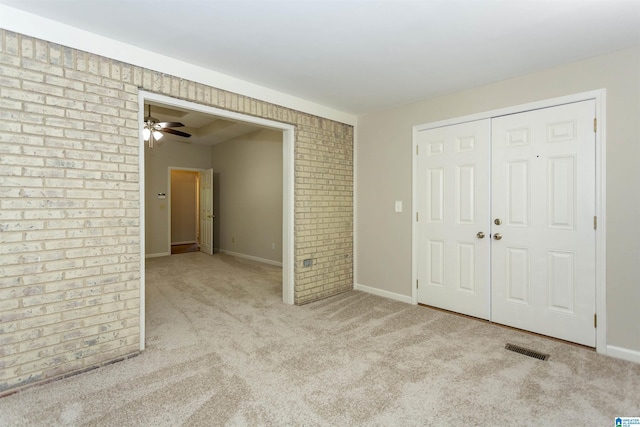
column 162, row 196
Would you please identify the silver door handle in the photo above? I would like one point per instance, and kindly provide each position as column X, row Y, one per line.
column 497, row 236
column 480, row 235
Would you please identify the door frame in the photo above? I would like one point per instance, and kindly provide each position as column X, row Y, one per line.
column 600, row 182
column 177, row 168
column 288, row 169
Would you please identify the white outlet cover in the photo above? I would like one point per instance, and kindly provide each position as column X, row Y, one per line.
column 398, row 205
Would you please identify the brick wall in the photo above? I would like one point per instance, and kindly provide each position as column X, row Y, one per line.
column 70, row 204
column 323, row 210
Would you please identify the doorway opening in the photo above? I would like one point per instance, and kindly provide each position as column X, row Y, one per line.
column 184, row 210
column 288, row 138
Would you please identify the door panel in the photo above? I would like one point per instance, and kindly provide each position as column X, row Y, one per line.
column 543, row 191
column 465, row 189
column 561, row 194
column 516, row 181
column 466, row 267
column 206, row 211
column 436, row 199
column 435, row 263
column 517, row 275
column 453, row 187
column 561, row 281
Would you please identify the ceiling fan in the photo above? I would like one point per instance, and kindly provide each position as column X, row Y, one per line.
column 153, row 129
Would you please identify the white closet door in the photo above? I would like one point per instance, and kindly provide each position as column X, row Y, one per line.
column 453, row 208
column 543, row 203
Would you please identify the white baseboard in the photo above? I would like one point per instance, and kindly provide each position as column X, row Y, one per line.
column 252, row 258
column 382, row 293
column 190, row 242
column 157, row 255
column 623, row 353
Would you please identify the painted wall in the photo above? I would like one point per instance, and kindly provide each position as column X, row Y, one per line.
column 157, row 163
column 384, row 164
column 184, row 204
column 248, row 195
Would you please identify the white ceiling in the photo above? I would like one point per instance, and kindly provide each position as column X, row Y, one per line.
column 359, row 56
column 204, row 129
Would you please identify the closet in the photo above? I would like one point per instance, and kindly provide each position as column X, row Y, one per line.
column 505, row 220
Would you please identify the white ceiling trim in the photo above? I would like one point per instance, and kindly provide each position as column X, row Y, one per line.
column 46, row 29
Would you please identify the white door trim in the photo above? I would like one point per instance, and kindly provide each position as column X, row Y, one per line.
column 601, row 284
column 288, row 140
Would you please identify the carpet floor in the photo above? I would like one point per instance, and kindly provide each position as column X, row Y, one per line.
column 222, row 349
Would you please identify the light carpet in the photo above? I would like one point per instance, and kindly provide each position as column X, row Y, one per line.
column 222, row 349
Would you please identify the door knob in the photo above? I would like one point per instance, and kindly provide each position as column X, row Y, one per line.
column 497, row 221
column 480, row 235
column 497, row 236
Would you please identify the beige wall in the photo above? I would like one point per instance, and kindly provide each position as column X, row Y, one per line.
column 248, row 195
column 384, row 163
column 184, row 203
column 70, row 203
column 157, row 163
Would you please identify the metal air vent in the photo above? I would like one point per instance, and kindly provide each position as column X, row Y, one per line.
column 527, row 352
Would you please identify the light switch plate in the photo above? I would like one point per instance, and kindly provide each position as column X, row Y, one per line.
column 398, row 205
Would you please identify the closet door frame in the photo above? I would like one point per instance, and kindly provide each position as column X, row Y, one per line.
column 600, row 179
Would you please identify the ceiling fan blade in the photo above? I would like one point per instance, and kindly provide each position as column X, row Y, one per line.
column 176, row 132
column 164, row 125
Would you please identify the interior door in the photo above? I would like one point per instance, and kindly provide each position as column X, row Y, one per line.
column 453, row 208
column 206, row 211
column 543, row 204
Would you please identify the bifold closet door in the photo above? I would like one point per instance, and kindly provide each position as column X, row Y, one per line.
column 453, row 215
column 543, row 207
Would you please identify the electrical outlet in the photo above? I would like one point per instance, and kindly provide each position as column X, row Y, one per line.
column 307, row 262
column 273, row 246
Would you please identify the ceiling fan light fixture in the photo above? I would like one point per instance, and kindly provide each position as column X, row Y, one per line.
column 153, row 130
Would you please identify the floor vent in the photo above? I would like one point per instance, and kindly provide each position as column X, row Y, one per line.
column 527, row 352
